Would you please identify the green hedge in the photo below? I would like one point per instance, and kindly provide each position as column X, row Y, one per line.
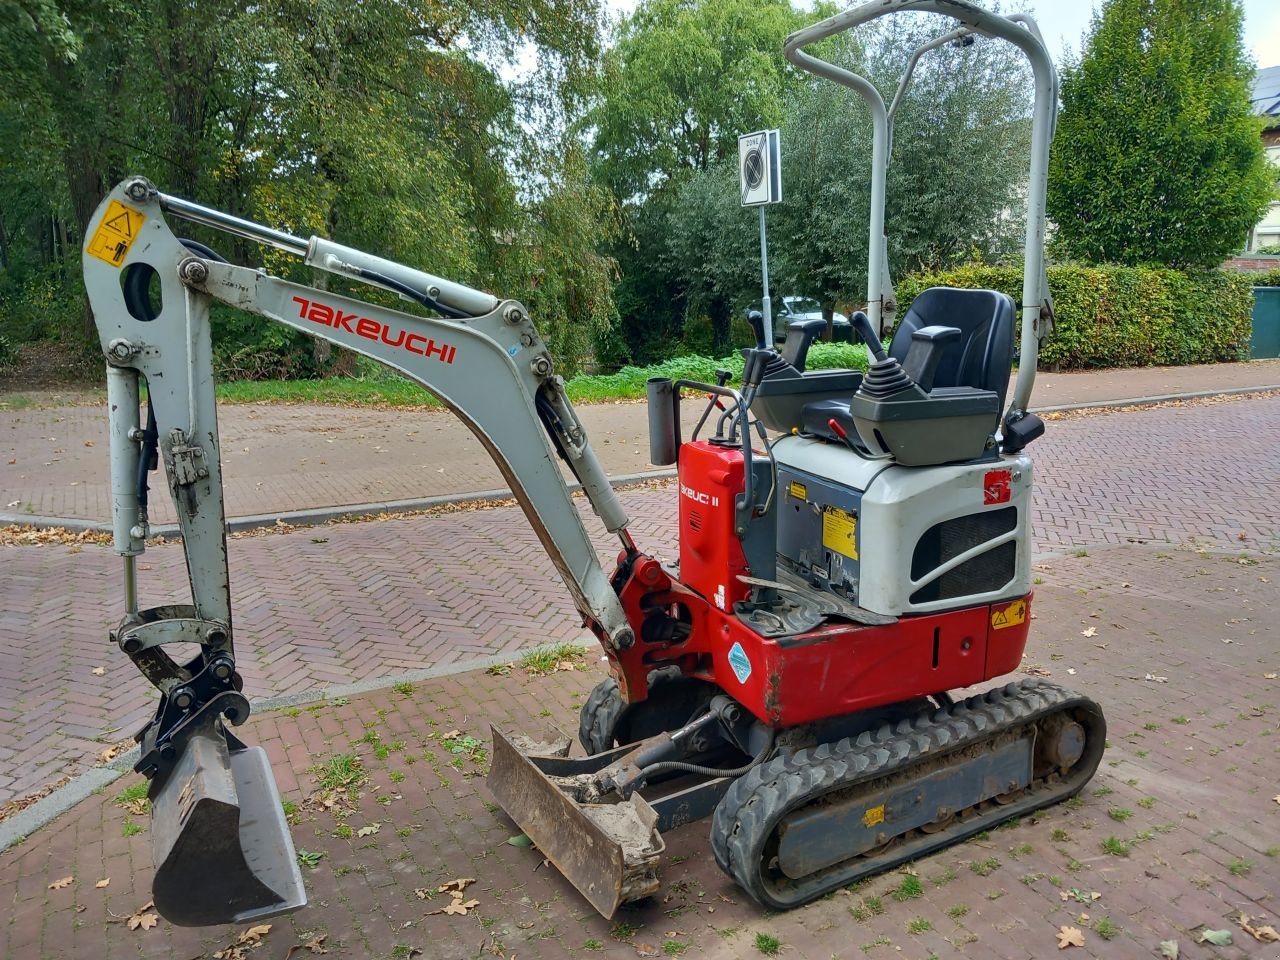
column 1262, row 278
column 1123, row 316
column 629, row 382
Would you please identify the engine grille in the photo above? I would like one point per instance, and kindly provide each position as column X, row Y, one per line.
column 988, row 571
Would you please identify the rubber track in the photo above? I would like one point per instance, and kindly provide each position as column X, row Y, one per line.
column 746, row 818
column 599, row 716
column 603, row 710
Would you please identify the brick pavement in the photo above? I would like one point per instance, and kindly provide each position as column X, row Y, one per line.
column 278, row 459
column 371, row 600
column 1186, row 784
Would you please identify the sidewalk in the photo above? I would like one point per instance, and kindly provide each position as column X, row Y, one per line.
column 1183, row 798
column 279, row 459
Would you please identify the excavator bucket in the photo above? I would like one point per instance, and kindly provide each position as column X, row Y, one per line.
column 221, row 844
column 609, row 851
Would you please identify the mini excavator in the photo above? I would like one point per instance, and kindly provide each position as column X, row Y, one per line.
column 853, row 547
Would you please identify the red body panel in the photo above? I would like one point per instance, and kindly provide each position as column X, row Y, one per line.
column 834, row 670
column 711, row 556
column 828, row 672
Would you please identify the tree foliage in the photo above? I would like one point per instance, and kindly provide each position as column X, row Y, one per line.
column 683, row 79
column 957, row 169
column 956, row 181
column 390, row 127
column 1158, row 158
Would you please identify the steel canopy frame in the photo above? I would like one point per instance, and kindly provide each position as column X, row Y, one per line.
column 1022, row 32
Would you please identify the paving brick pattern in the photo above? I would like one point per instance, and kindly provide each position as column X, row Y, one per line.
column 1187, row 783
column 374, row 599
column 276, row 459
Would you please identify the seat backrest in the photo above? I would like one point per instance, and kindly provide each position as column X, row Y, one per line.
column 982, row 357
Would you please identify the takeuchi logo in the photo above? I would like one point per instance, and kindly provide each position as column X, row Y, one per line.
column 328, row 316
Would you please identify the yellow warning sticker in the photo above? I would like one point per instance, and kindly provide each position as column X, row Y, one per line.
column 873, row 816
column 839, row 532
column 120, row 226
column 798, row 490
column 1008, row 614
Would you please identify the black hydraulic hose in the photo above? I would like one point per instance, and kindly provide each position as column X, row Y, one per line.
column 679, row 766
column 417, row 296
column 208, row 253
column 147, row 461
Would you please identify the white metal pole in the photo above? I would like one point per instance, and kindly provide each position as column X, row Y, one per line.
column 766, row 304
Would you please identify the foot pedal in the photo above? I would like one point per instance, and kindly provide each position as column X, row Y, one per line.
column 220, row 841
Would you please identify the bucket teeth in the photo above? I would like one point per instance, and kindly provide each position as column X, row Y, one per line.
column 220, row 841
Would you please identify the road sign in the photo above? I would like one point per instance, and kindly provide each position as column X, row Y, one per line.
column 760, row 168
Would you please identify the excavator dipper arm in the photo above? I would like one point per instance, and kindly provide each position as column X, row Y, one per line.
column 221, row 846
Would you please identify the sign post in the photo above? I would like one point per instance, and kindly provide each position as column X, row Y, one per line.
column 760, row 180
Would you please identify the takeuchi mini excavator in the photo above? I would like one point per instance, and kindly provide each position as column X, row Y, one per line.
column 853, row 547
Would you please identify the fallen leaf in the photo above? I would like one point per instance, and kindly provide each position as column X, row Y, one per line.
column 60, row 884
column 459, row 885
column 316, row 943
column 1091, row 632
column 1169, row 949
column 102, row 883
column 520, row 840
column 1082, row 918
column 646, row 950
column 1268, row 676
column 1276, row 798
column 1154, row 679
column 1219, row 938
column 1265, row 934
column 143, row 921
column 459, row 907
column 137, row 807
column 1069, row 937
column 422, row 893
column 88, row 443
column 255, row 934
column 230, row 953
column 1036, row 671
column 369, row 830
column 99, row 671
column 109, row 754
column 1071, row 671
column 451, row 735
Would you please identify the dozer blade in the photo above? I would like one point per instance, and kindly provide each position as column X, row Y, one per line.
column 221, row 844
column 608, row 851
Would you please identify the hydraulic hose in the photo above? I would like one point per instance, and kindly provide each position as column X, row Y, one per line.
column 679, row 766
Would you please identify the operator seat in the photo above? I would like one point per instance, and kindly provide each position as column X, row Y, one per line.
column 980, row 358
column 983, row 355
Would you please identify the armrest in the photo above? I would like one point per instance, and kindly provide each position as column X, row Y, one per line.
column 800, row 336
column 925, row 352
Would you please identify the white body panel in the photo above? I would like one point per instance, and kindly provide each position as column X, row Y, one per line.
column 901, row 504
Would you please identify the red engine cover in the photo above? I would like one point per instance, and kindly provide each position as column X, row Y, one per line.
column 711, row 557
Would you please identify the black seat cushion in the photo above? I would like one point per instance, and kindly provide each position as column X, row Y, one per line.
column 982, row 356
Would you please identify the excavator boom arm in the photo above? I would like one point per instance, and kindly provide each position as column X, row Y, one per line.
column 151, row 293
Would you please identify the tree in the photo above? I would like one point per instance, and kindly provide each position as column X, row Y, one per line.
column 682, row 81
column 1158, row 158
column 392, row 130
column 957, row 170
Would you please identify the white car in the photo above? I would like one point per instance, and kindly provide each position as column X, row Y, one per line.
column 807, row 308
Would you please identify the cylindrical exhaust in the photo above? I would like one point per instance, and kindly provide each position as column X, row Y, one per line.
column 664, row 440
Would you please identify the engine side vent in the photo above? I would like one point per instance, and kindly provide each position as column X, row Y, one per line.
column 695, row 519
column 984, row 573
